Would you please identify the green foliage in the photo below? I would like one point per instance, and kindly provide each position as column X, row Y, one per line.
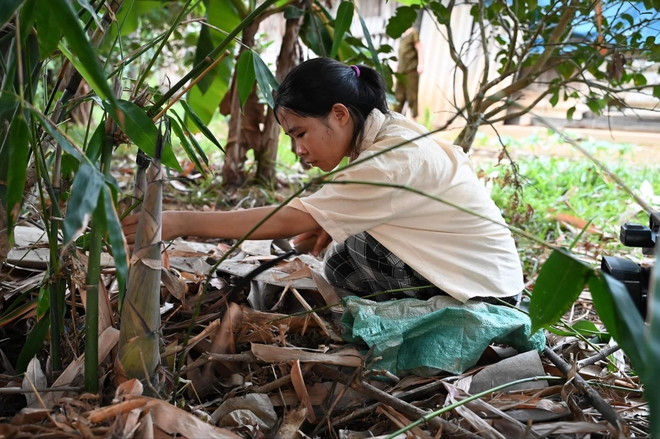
column 342, row 25
column 403, row 20
column 559, row 284
column 245, row 75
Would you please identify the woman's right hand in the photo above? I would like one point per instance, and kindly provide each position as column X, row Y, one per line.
column 169, row 230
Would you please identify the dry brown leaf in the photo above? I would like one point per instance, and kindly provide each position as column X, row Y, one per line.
column 173, row 420
column 303, row 273
column 176, row 285
column 34, row 377
column 293, row 419
column 324, row 327
column 275, row 354
column 131, row 387
column 317, row 394
column 107, row 341
column 301, row 390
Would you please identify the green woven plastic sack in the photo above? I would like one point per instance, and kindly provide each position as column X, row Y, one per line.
column 439, row 334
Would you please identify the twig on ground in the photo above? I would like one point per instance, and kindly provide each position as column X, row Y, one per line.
column 397, row 404
column 608, row 412
column 604, row 353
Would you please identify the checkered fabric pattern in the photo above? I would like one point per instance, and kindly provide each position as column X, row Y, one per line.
column 363, row 265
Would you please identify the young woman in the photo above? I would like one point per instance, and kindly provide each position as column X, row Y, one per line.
column 385, row 238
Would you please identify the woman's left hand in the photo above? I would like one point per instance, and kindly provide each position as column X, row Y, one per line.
column 322, row 240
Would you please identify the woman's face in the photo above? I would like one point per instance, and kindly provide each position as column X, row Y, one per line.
column 320, row 142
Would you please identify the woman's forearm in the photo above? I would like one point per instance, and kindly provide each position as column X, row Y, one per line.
column 285, row 223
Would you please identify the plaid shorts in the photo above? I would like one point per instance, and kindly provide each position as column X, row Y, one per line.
column 363, row 265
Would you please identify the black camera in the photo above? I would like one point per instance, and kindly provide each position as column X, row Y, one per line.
column 634, row 276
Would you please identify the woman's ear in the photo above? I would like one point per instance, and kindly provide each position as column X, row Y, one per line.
column 340, row 113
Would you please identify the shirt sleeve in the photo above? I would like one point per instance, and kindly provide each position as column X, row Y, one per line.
column 349, row 204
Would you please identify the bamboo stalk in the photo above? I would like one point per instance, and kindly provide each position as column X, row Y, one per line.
column 139, row 353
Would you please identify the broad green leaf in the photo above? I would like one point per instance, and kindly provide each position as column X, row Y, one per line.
column 656, row 91
column 87, row 185
column 115, row 236
column 370, row 45
column 570, row 112
column 265, row 79
column 223, row 15
column 400, row 22
column 593, row 106
column 620, row 316
column 554, row 99
column 142, row 131
column 66, row 18
column 19, row 152
column 34, row 343
column 202, row 127
column 28, row 15
column 7, row 9
column 342, row 25
column 245, row 75
column 48, row 34
column 559, row 284
column 639, row 79
column 185, row 144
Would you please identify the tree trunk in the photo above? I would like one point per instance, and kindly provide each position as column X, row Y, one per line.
column 245, row 130
column 468, row 133
column 266, row 154
column 243, row 124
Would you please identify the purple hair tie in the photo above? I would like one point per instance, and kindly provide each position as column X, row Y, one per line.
column 357, row 70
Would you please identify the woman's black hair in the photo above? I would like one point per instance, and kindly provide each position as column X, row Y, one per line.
column 313, row 87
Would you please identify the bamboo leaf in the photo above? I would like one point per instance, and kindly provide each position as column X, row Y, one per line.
column 245, row 75
column 370, row 45
column 7, row 9
column 116, row 238
column 8, row 102
column 185, row 144
column 201, row 125
column 191, row 138
column 48, row 34
column 85, row 5
column 43, row 301
column 620, row 316
column 142, row 131
column 87, row 185
column 559, row 284
column 95, row 145
column 57, row 136
column 19, row 152
column 34, row 343
column 265, row 79
column 65, row 17
column 342, row 25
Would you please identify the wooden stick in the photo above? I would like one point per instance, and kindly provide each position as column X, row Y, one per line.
column 407, row 409
column 608, row 412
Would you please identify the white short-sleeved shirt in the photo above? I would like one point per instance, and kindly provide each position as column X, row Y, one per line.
column 464, row 255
